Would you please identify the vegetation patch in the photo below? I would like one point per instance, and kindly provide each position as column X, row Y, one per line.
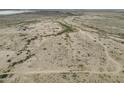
column 3, row 76
column 66, row 27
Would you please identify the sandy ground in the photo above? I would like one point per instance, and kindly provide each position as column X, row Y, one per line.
column 64, row 47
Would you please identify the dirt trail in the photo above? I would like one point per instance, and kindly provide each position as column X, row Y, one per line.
column 69, row 21
column 56, row 71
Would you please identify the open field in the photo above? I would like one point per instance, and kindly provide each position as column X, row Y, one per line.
column 62, row 46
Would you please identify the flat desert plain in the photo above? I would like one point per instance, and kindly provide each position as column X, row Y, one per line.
column 62, row 46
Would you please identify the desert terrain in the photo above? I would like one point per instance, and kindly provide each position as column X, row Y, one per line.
column 62, row 46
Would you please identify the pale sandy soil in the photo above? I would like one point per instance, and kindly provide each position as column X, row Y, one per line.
column 62, row 48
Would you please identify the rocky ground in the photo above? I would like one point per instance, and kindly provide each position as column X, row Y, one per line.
column 62, row 47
